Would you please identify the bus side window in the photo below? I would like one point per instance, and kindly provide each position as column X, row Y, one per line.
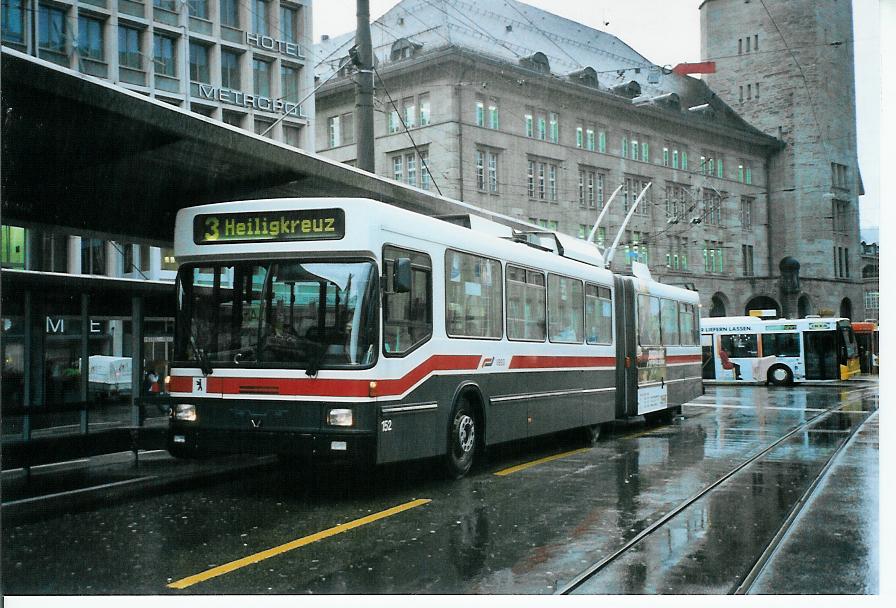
column 407, row 317
column 669, row 316
column 648, row 320
column 598, row 315
column 740, row 345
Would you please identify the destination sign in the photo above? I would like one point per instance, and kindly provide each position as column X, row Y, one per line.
column 730, row 328
column 269, row 226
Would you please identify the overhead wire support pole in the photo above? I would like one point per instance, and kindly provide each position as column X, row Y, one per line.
column 608, row 259
column 603, row 212
column 363, row 58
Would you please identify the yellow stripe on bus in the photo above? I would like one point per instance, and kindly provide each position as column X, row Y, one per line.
column 295, row 544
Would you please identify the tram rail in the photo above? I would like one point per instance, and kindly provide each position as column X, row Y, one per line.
column 743, row 587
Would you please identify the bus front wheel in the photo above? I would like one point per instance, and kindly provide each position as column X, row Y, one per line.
column 780, row 375
column 462, row 439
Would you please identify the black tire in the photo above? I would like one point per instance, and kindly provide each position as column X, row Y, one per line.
column 462, row 439
column 591, row 434
column 780, row 375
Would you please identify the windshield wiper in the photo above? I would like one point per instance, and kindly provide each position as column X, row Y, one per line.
column 201, row 357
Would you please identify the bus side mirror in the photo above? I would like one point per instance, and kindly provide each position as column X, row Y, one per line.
column 401, row 275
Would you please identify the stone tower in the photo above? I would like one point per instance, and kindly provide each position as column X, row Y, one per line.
column 786, row 66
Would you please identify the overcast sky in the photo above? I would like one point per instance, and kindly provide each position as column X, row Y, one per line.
column 668, row 32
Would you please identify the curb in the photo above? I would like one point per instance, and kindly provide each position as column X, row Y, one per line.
column 38, row 508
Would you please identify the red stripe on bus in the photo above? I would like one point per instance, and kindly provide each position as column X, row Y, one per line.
column 545, row 362
column 331, row 387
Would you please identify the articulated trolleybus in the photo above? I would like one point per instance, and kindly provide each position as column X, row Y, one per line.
column 778, row 351
column 349, row 328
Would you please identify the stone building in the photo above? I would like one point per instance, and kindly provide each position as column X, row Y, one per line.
column 524, row 112
column 787, row 68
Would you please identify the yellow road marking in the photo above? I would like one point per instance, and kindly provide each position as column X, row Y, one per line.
column 295, row 544
column 526, row 465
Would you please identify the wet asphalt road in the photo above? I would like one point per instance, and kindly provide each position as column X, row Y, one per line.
column 530, row 531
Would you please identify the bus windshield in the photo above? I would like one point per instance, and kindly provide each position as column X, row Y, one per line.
column 281, row 313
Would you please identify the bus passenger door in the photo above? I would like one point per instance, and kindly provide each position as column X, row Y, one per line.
column 821, row 355
column 709, row 357
column 626, row 349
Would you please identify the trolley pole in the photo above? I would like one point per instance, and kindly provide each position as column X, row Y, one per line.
column 364, row 88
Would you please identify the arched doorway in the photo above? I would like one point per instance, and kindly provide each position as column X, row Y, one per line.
column 718, row 306
column 762, row 303
column 846, row 308
column 804, row 306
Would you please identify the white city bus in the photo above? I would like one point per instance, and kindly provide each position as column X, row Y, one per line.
column 779, row 351
column 349, row 328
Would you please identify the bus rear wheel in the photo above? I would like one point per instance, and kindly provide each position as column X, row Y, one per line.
column 462, row 438
column 780, row 375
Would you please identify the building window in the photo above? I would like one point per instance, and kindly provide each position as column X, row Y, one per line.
column 712, row 207
column 90, row 38
column 398, row 168
column 665, row 156
column 580, row 140
column 289, row 24
column 292, row 135
column 746, row 212
column 486, row 170
column 589, row 139
column 645, row 152
column 554, row 123
column 747, row 252
column 633, row 188
column 409, row 112
column 165, row 55
column 13, row 26
column 541, row 122
column 602, row 141
column 199, row 69
column 198, row 8
column 425, row 179
column 93, row 256
column 634, row 147
column 425, row 109
column 839, row 176
column 872, row 300
column 542, row 181
column 394, row 121
column 261, row 77
column 129, row 55
column 636, row 247
column 263, row 127
column 230, row 13
column 493, row 113
column 677, row 258
column 530, row 125
column 260, row 17
column 552, row 183
column 713, row 257
column 289, row 83
column 334, row 125
column 480, row 111
column 230, row 70
column 840, row 214
column 51, row 33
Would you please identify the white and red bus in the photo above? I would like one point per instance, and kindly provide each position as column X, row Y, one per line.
column 349, row 328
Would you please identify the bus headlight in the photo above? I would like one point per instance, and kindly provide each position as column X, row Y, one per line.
column 185, row 411
column 339, row 417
